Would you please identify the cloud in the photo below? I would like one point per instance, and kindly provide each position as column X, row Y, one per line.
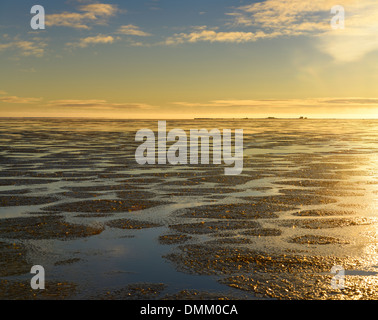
column 238, row 103
column 352, row 101
column 85, row 42
column 271, row 19
column 312, row 18
column 100, row 9
column 285, row 103
column 359, row 37
column 289, row 15
column 204, row 34
column 98, row 104
column 93, row 104
column 266, row 20
column 132, row 30
column 95, row 13
column 15, row 99
column 34, row 47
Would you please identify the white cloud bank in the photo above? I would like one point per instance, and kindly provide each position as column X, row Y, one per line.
column 288, row 18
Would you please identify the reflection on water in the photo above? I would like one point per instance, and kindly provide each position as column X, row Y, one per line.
column 308, row 189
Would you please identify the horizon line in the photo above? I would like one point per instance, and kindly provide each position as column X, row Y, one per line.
column 201, row 118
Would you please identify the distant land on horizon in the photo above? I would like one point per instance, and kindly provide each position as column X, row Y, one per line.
column 205, row 118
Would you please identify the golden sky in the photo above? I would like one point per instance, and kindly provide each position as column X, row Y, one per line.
column 182, row 59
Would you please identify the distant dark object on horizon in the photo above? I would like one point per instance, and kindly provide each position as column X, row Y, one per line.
column 246, row 118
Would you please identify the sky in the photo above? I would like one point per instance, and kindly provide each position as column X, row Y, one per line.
column 165, row 59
